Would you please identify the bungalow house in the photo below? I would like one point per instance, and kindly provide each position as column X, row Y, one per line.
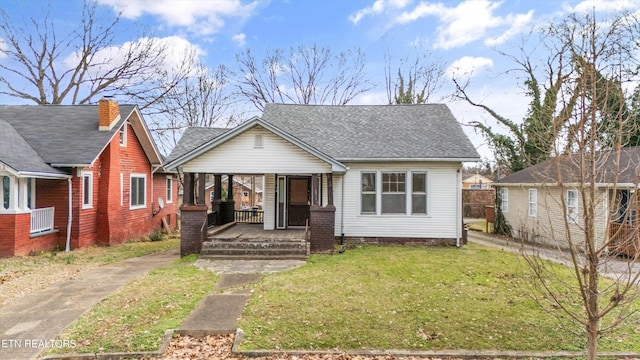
column 79, row 175
column 383, row 174
column 541, row 210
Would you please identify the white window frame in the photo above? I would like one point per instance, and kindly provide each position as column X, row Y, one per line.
column 169, row 190
column 504, row 197
column 258, row 141
column 87, row 175
column 374, row 192
column 572, row 208
column 131, row 192
column 382, row 192
column 123, row 135
column 425, row 193
column 533, row 202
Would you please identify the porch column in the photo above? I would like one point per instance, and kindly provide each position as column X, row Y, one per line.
column 201, row 187
column 322, row 219
column 227, row 208
column 13, row 194
column 315, row 193
column 330, row 189
column 23, row 193
column 217, row 187
column 193, row 219
column 187, row 187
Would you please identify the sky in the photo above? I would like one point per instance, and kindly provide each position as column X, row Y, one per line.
column 467, row 36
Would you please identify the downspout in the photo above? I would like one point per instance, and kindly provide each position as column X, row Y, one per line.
column 458, row 208
column 69, row 216
column 342, row 210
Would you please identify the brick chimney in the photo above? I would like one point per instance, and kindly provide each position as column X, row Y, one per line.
column 108, row 113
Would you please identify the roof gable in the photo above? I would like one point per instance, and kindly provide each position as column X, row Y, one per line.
column 223, row 137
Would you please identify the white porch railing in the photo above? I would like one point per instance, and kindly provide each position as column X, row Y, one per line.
column 42, row 220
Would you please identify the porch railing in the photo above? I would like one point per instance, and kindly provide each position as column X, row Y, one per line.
column 42, row 220
column 249, row 216
column 624, row 239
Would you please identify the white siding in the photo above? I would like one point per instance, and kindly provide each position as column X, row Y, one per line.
column 442, row 218
column 548, row 226
column 337, row 201
column 268, row 202
column 239, row 156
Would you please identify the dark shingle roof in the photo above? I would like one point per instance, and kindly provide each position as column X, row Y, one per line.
column 18, row 154
column 345, row 132
column 62, row 134
column 609, row 169
column 192, row 138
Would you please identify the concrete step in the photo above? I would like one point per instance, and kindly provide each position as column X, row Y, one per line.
column 254, row 250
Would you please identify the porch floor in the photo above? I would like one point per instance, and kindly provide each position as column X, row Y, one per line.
column 255, row 232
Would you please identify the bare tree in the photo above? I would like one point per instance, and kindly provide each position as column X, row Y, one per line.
column 205, row 99
column 77, row 66
column 583, row 183
column 302, row 75
column 418, row 78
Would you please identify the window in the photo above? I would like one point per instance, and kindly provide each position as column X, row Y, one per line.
column 138, row 191
column 394, row 198
column 212, row 196
column 87, row 190
column 6, row 191
column 504, row 204
column 258, row 142
column 368, row 193
column 123, row 135
column 572, row 206
column 533, row 202
column 169, row 190
column 418, row 193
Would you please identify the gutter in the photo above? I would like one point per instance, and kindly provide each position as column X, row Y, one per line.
column 458, row 208
column 69, row 216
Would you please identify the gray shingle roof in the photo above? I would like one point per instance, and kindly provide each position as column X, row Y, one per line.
column 192, row 138
column 351, row 132
column 18, row 154
column 609, row 171
column 345, row 132
column 62, row 134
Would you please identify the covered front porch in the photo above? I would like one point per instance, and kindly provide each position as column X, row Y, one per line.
column 33, row 211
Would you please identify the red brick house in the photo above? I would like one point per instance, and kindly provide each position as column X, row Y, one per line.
column 79, row 175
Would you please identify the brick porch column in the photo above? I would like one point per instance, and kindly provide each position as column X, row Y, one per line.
column 322, row 220
column 193, row 228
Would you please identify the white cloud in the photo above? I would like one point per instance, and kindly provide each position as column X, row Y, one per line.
column 239, row 39
column 468, row 21
column 604, row 5
column 468, row 66
column 378, row 7
column 201, row 17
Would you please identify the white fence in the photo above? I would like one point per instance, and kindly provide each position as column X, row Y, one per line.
column 42, row 220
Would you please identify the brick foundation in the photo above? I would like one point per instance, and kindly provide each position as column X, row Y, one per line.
column 322, row 222
column 192, row 232
column 352, row 240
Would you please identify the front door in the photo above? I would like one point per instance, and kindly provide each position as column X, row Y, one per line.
column 299, row 200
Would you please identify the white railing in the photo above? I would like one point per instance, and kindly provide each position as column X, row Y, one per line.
column 42, row 220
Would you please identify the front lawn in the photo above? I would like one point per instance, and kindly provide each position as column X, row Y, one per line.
column 408, row 298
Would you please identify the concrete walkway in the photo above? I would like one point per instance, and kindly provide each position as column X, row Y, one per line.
column 219, row 312
column 616, row 268
column 29, row 325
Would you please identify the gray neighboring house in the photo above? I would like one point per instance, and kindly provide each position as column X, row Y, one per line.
column 539, row 210
column 363, row 173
